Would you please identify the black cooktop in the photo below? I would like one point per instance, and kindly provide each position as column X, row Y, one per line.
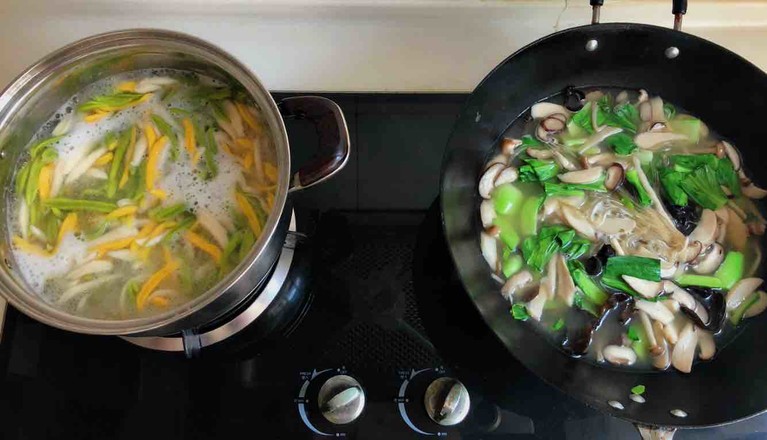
column 384, row 307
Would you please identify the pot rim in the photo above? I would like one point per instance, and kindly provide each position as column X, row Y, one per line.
column 30, row 303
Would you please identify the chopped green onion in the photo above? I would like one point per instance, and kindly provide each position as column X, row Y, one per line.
column 519, row 311
column 558, row 325
column 529, row 141
column 584, row 303
column 737, row 315
column 587, row 285
column 638, row 390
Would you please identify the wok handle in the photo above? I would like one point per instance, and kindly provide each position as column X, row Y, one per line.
column 332, row 133
column 678, row 8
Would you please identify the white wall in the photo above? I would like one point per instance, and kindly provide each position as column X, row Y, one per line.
column 361, row 45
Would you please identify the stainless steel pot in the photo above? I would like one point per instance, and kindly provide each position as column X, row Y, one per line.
column 32, row 98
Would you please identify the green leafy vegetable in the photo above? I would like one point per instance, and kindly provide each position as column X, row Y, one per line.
column 528, row 216
column 638, row 390
column 553, row 189
column 538, row 250
column 731, row 270
column 669, row 110
column 672, row 185
column 536, row 170
column 633, row 178
column 638, row 267
column 584, row 303
column 689, row 127
column 529, row 141
column 621, row 143
column 632, row 333
column 506, row 198
column 727, row 176
column 594, row 293
column 518, row 311
column 685, row 163
column 558, row 325
column 581, row 120
column 625, row 116
column 703, row 187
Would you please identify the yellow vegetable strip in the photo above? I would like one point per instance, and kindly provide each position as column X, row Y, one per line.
column 160, row 194
column 204, row 245
column 155, row 151
column 247, row 117
column 154, row 281
column 29, row 248
column 151, row 135
column 113, row 245
column 45, row 181
column 146, row 230
column 96, row 116
column 103, row 160
column 121, row 212
column 190, row 141
column 159, row 229
column 270, row 171
column 159, row 301
column 249, row 213
column 126, row 86
column 128, row 157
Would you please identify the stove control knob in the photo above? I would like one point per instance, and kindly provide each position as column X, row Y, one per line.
column 341, row 399
column 447, row 401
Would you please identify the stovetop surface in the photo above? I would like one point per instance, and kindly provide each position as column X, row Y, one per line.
column 385, row 308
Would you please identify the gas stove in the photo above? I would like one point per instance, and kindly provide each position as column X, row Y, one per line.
column 382, row 343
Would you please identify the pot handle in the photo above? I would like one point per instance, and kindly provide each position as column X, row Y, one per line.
column 678, row 8
column 333, row 137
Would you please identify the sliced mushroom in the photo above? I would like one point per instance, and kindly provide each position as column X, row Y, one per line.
column 622, row 97
column 671, row 333
column 565, row 285
column 615, row 176
column 643, row 96
column 601, row 133
column 554, row 123
column 602, row 159
column 661, row 358
column 508, row 175
column 489, row 247
column 551, row 207
column 487, row 181
column 710, row 260
column 737, row 231
column 668, row 268
column 645, row 111
column 757, row 307
column 754, row 192
column 586, row 176
column 648, row 289
column 732, row 154
column 487, row 213
column 658, row 115
column 550, row 281
column 619, row 355
column 498, row 159
column 517, row 282
column 574, row 201
column 508, row 145
column 689, row 302
column 535, row 306
column 670, row 304
column 740, row 291
column 545, row 109
column 616, row 225
column 563, row 161
column 684, row 350
column 692, row 251
column 756, row 228
column 706, row 231
column 652, row 140
column 578, row 221
column 706, row 344
column 647, row 325
column 657, row 311
column 658, row 126
column 539, row 153
column 493, row 231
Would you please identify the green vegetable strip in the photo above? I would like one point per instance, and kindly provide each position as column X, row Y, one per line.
column 617, row 283
column 529, row 141
column 248, row 240
column 639, row 343
column 633, row 177
column 111, row 102
column 727, row 176
column 211, row 148
column 40, row 147
column 167, row 131
column 585, row 304
column 167, row 212
column 21, row 179
column 80, row 205
column 519, row 311
column 737, row 315
column 558, row 325
column 528, row 216
column 512, row 265
column 184, row 225
column 689, row 279
column 638, row 267
column 731, row 270
column 117, row 162
column 671, row 181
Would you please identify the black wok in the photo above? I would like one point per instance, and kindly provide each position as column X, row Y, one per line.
column 721, row 88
